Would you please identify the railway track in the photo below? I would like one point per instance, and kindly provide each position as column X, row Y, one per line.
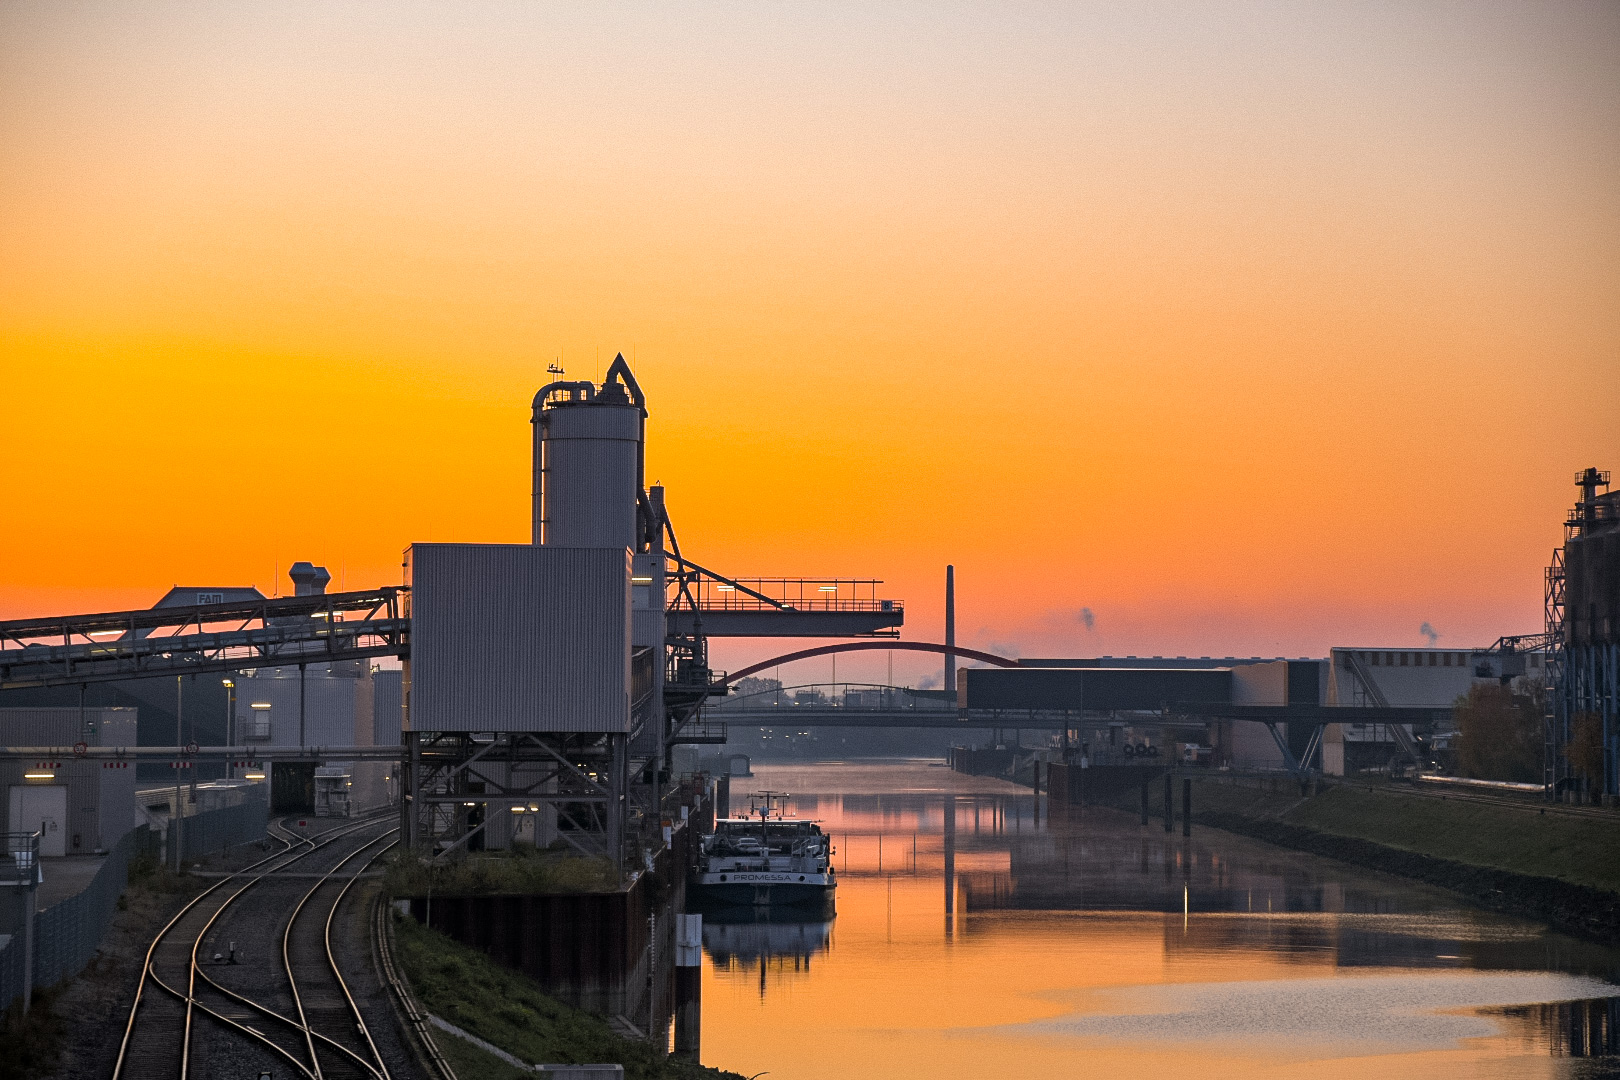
column 243, row 980
column 1440, row 789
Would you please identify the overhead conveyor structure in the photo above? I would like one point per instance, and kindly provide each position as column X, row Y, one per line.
column 189, row 640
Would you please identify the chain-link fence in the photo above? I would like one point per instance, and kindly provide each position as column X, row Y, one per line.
column 68, row 933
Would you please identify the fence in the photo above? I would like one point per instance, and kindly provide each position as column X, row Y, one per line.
column 68, row 933
column 215, row 830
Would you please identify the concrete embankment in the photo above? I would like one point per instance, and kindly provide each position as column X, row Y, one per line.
column 1542, row 863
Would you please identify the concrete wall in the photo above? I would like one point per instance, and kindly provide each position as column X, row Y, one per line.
column 1261, row 684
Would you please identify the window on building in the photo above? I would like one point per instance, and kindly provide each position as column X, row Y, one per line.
column 1446, row 661
column 1432, row 658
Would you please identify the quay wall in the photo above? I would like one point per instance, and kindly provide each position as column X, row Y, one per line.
column 590, row 950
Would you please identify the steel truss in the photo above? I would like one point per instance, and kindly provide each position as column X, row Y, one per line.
column 460, row 790
column 282, row 632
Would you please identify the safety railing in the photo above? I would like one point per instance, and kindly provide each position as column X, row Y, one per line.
column 796, row 594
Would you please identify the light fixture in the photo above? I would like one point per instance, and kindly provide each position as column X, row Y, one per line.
column 641, row 581
column 259, row 705
column 227, row 682
column 519, row 809
column 828, row 588
column 40, row 775
column 105, row 633
column 253, row 776
column 725, row 588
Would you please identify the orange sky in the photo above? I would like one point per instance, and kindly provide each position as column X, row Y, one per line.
column 1250, row 328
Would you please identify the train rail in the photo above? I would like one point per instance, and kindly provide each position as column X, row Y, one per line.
column 1440, row 788
column 219, row 995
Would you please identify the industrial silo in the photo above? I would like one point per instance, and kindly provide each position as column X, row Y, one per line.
column 1588, row 682
column 588, row 461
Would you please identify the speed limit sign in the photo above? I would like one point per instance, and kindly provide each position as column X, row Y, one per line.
column 80, row 749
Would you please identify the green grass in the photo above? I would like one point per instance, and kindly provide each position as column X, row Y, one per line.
column 505, row 1008
column 521, row 871
column 1579, row 850
column 30, row 1045
column 472, row 1063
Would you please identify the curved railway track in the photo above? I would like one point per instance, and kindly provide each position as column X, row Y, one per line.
column 279, row 1006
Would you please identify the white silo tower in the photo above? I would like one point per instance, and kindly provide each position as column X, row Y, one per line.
column 589, row 462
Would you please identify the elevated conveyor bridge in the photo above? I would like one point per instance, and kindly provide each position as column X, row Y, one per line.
column 184, row 640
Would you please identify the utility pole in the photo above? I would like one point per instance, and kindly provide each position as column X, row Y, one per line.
column 180, row 744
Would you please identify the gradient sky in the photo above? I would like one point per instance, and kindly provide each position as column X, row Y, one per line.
column 1248, row 327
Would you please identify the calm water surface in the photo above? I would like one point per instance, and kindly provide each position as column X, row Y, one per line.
column 974, row 939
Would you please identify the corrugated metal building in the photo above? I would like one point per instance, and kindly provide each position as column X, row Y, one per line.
column 1089, row 689
column 519, row 637
column 85, row 806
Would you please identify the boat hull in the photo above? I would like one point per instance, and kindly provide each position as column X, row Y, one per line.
column 761, row 890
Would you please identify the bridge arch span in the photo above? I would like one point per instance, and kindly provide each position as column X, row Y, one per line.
column 868, row 646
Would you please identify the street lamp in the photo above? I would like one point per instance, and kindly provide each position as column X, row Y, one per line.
column 230, row 723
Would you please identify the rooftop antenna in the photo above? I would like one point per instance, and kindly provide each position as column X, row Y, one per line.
column 554, row 369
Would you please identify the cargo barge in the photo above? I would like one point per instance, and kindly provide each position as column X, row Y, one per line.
column 764, row 860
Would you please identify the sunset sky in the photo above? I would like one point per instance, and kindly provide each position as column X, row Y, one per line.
column 1248, row 328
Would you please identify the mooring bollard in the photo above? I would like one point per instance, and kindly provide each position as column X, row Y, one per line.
column 688, row 986
column 1186, row 806
column 1169, row 803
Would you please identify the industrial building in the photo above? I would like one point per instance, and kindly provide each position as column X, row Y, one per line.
column 79, row 806
column 547, row 684
column 272, row 712
column 1583, row 632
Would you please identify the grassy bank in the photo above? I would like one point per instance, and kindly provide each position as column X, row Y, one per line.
column 522, row 870
column 502, row 1007
column 1576, row 850
column 1560, row 869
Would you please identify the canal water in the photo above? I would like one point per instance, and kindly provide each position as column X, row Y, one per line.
column 975, row 939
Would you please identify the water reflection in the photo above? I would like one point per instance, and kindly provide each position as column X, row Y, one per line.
column 744, row 936
column 972, row 931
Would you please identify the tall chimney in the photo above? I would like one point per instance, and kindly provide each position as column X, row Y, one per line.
column 950, row 629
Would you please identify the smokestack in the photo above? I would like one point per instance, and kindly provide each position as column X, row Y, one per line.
column 308, row 580
column 950, row 629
